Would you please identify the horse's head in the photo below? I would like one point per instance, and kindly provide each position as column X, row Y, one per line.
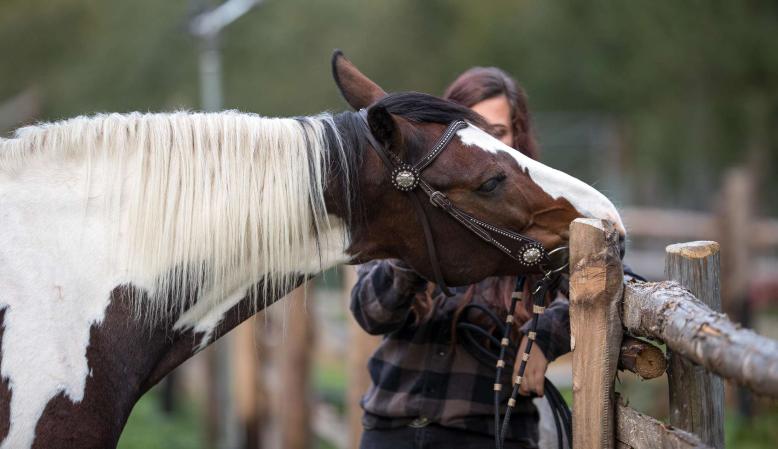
column 479, row 174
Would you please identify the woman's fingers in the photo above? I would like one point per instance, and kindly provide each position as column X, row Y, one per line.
column 534, row 373
column 524, row 388
column 533, row 381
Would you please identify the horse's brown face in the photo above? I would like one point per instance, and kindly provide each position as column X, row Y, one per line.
column 477, row 172
column 495, row 188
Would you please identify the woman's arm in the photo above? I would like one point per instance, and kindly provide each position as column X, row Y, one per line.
column 381, row 298
column 553, row 332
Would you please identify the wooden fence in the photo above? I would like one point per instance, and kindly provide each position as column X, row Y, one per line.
column 703, row 345
column 601, row 307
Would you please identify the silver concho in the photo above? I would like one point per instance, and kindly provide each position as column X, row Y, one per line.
column 530, row 256
column 405, row 178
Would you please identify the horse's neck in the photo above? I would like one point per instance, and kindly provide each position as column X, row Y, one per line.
column 70, row 333
column 126, row 358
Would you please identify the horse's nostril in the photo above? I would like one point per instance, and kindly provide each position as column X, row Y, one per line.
column 622, row 245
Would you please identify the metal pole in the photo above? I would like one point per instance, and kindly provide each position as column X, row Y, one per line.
column 207, row 26
column 210, row 73
column 225, row 432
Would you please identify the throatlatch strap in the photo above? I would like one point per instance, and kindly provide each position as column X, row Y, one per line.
column 431, row 252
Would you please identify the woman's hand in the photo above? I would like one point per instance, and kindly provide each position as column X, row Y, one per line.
column 535, row 372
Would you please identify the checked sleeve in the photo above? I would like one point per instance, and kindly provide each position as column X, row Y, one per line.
column 382, row 296
column 553, row 332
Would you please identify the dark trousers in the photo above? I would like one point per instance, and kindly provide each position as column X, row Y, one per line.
column 431, row 437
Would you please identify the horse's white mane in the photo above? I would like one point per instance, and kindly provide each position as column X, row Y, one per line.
column 212, row 199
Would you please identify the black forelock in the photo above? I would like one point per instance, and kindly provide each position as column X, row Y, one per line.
column 418, row 107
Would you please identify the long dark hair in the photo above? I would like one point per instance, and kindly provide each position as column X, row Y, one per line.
column 482, row 83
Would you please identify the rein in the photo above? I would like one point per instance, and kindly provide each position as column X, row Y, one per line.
column 559, row 408
column 526, row 250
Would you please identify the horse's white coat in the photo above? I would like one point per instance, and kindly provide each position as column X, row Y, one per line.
column 587, row 200
column 69, row 231
column 49, row 305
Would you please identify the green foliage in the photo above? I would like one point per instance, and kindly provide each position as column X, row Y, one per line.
column 150, row 428
column 760, row 432
column 91, row 56
column 695, row 84
column 330, row 380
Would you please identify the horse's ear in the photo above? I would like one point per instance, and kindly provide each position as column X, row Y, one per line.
column 358, row 90
column 384, row 126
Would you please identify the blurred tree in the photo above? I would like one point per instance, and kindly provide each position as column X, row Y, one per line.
column 693, row 84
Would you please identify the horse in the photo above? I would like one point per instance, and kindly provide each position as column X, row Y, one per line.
column 129, row 242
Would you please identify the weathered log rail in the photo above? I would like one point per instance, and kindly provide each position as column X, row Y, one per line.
column 703, row 344
column 666, row 311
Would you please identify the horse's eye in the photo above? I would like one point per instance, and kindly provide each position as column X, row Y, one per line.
column 491, row 184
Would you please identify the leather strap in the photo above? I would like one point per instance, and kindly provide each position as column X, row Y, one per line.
column 487, row 232
column 421, row 217
column 444, row 140
column 432, row 253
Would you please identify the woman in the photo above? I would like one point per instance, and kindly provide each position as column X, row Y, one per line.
column 428, row 390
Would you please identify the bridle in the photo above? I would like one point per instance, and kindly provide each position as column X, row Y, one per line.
column 407, row 178
column 526, row 250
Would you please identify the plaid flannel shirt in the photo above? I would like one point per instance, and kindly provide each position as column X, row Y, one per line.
column 418, row 375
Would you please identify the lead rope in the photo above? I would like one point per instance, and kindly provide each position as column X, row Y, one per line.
column 504, row 343
column 561, row 412
column 558, row 406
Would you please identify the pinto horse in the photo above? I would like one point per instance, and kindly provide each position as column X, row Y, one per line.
column 130, row 242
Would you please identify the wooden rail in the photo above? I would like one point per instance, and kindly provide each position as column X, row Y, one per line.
column 636, row 430
column 702, row 343
column 668, row 312
column 679, row 224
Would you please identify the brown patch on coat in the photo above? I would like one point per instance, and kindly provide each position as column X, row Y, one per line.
column 120, row 354
column 126, row 358
column 5, row 390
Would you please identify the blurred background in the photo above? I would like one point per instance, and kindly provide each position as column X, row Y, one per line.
column 669, row 108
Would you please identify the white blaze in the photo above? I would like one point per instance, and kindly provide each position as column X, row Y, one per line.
column 586, row 199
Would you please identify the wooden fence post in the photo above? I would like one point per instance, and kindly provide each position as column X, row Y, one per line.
column 296, row 361
column 247, row 381
column 696, row 395
column 596, row 287
column 361, row 346
column 736, row 218
column 222, row 426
